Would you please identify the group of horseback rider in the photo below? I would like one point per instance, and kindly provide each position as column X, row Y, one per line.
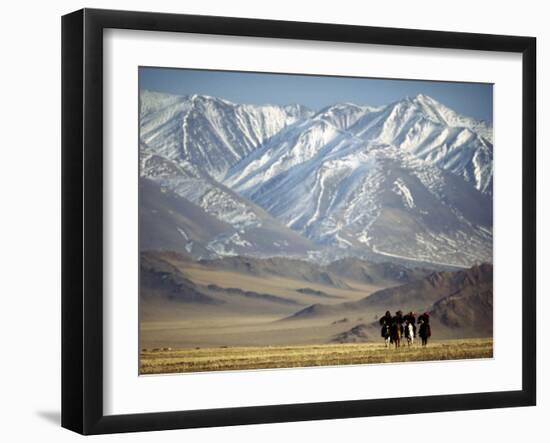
column 399, row 325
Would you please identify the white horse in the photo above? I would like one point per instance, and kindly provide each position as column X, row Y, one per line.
column 409, row 333
column 386, row 335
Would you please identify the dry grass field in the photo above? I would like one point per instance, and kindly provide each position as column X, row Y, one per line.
column 166, row 360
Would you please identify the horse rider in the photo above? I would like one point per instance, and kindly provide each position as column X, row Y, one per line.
column 425, row 331
column 385, row 321
column 398, row 321
column 411, row 318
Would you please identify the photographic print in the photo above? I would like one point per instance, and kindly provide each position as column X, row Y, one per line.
column 291, row 220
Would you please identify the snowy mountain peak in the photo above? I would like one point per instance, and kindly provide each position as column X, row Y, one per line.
column 209, row 100
column 298, row 111
column 444, row 115
column 423, row 98
column 211, row 132
column 343, row 115
column 409, row 179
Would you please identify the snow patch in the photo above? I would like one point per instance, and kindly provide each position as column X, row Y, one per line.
column 401, row 189
column 183, row 233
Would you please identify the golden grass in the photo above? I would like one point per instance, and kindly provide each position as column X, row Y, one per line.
column 159, row 361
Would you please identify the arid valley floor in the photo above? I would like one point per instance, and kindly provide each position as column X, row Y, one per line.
column 243, row 313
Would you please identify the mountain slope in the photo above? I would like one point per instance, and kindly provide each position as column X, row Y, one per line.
column 202, row 224
column 169, row 222
column 343, row 115
column 209, row 132
column 432, row 132
column 433, row 288
column 366, row 198
column 410, row 181
column 161, row 280
column 454, row 298
column 361, row 270
column 470, row 308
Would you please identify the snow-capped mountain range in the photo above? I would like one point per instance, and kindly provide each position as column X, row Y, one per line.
column 411, row 180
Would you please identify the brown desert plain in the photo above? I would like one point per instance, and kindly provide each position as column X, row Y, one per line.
column 240, row 313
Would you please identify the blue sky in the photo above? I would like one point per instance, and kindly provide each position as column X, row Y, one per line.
column 316, row 92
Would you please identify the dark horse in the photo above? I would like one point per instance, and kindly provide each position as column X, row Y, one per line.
column 396, row 329
column 385, row 332
column 424, row 331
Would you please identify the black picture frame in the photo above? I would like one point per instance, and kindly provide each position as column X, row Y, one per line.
column 82, row 219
